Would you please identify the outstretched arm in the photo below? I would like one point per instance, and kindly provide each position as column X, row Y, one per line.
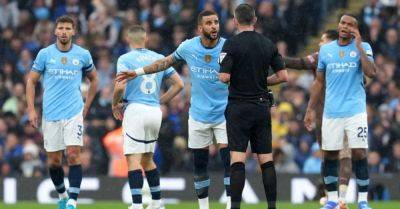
column 302, row 63
column 176, row 86
column 157, row 66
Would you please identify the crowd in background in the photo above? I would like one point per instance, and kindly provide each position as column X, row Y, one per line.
column 26, row 26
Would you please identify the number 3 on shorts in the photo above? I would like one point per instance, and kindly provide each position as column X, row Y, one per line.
column 362, row 132
column 80, row 132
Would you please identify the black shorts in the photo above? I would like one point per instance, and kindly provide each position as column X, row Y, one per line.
column 249, row 121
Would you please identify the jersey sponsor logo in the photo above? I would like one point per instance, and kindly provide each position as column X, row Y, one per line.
column 221, row 57
column 205, row 73
column 75, row 62
column 342, row 67
column 353, row 54
column 64, row 60
column 207, row 58
column 341, row 54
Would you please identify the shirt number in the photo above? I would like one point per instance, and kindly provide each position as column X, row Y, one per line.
column 149, row 84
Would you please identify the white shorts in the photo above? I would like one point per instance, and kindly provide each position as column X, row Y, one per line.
column 334, row 130
column 140, row 126
column 201, row 135
column 62, row 133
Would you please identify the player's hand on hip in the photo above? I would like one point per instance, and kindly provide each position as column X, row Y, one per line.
column 123, row 76
column 309, row 120
column 117, row 111
column 33, row 118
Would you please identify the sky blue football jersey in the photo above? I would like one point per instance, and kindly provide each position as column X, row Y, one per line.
column 344, row 78
column 145, row 89
column 62, row 76
column 209, row 96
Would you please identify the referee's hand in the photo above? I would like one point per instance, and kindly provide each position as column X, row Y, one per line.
column 309, row 120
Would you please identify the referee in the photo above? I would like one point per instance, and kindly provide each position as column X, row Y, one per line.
column 245, row 60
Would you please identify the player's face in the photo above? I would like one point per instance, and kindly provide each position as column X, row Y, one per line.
column 64, row 32
column 209, row 27
column 324, row 40
column 345, row 25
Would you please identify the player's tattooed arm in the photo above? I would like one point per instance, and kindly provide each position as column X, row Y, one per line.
column 176, row 85
column 302, row 63
column 94, row 81
column 33, row 78
column 117, row 104
column 316, row 94
column 157, row 66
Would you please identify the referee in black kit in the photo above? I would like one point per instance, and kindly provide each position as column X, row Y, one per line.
column 245, row 60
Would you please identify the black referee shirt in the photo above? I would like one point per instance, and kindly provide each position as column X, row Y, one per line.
column 247, row 57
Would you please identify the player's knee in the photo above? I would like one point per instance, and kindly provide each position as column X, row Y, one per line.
column 358, row 154
column 331, row 155
column 73, row 156
column 53, row 162
column 148, row 164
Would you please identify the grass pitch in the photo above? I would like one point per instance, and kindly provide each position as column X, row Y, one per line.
column 193, row 205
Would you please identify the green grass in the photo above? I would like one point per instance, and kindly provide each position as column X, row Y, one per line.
column 193, row 205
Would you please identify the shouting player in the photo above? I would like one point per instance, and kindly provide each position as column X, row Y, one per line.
column 62, row 65
column 208, row 99
column 141, row 119
column 342, row 65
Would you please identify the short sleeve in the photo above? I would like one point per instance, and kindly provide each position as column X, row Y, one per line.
column 167, row 73
column 88, row 65
column 122, row 65
column 368, row 50
column 180, row 52
column 40, row 62
column 225, row 59
column 277, row 63
column 321, row 63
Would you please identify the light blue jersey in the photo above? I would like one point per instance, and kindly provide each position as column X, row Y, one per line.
column 344, row 79
column 62, row 76
column 208, row 95
column 145, row 89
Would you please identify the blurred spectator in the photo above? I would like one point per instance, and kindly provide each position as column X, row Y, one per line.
column 284, row 164
column 113, row 142
column 31, row 161
column 374, row 163
column 394, row 160
column 9, row 14
column 313, row 163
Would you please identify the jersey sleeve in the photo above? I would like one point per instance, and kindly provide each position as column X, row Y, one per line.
column 181, row 51
column 168, row 72
column 368, row 50
column 321, row 63
column 122, row 65
column 225, row 59
column 39, row 64
column 277, row 63
column 88, row 65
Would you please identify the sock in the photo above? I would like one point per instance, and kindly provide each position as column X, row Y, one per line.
column 203, row 203
column 153, row 178
column 226, row 160
column 362, row 178
column 269, row 181
column 57, row 176
column 237, row 184
column 75, row 179
column 135, row 178
column 201, row 178
column 330, row 172
column 342, row 192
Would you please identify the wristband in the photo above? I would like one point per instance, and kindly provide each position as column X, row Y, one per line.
column 140, row 71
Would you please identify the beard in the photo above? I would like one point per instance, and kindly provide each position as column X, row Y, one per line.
column 64, row 41
column 209, row 36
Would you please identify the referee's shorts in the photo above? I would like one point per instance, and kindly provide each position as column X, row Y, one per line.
column 249, row 121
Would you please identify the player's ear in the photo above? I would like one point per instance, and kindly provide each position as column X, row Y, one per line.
column 254, row 20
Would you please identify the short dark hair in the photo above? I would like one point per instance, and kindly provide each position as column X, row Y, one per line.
column 65, row 19
column 245, row 14
column 350, row 15
column 204, row 13
column 332, row 34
